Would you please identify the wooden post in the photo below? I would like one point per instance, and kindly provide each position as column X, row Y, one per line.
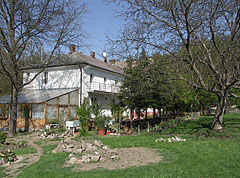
column 45, row 113
column 58, row 108
column 30, row 111
column 68, row 110
column 138, row 129
column 20, row 112
column 6, row 110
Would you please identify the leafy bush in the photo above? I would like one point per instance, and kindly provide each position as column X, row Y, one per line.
column 101, row 121
column 83, row 113
column 3, row 137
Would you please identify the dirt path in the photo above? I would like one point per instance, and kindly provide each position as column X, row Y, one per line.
column 25, row 160
column 128, row 157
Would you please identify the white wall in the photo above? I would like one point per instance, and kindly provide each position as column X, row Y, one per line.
column 57, row 78
column 69, row 77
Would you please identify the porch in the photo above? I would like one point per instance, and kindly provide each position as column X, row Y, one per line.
column 37, row 107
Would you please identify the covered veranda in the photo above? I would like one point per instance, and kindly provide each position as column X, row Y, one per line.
column 36, row 108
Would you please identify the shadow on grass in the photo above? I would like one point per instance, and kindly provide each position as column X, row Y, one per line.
column 201, row 127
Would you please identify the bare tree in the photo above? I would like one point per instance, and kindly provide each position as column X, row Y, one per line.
column 205, row 31
column 26, row 26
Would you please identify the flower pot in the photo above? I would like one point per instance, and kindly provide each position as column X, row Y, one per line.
column 101, row 132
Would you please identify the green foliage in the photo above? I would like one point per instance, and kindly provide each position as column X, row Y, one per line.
column 96, row 109
column 83, row 113
column 3, row 137
column 101, row 121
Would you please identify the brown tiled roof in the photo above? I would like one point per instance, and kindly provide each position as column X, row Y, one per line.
column 78, row 58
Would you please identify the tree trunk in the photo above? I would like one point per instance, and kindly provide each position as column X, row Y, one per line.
column 218, row 117
column 13, row 112
column 154, row 113
column 146, row 114
column 131, row 118
column 26, row 113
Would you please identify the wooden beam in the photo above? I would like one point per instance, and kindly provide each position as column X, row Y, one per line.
column 68, row 110
column 30, row 111
column 20, row 111
column 45, row 113
column 6, row 110
column 58, row 108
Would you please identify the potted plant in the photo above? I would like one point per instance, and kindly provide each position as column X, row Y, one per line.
column 101, row 122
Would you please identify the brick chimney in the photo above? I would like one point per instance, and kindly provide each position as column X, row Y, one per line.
column 92, row 54
column 72, row 48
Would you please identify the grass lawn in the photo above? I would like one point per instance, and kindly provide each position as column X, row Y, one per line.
column 204, row 154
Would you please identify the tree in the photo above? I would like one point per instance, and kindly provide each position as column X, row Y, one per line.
column 83, row 113
column 27, row 27
column 208, row 32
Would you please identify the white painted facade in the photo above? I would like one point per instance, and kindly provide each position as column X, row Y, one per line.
column 96, row 84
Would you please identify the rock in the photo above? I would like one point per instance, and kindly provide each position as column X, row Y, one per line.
column 54, row 151
column 97, row 143
column 114, row 157
column 91, row 149
column 45, row 134
column 21, row 144
column 84, row 146
column 95, row 157
column 78, row 151
column 70, row 146
column 68, row 150
column 105, row 148
column 61, row 147
column 112, row 152
column 72, row 160
column 79, row 161
column 71, row 155
column 67, row 140
column 86, row 159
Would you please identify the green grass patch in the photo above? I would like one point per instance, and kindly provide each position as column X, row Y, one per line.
column 25, row 150
column 204, row 154
column 38, row 142
column 201, row 127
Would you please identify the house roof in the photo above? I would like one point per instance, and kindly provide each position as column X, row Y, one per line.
column 36, row 96
column 77, row 58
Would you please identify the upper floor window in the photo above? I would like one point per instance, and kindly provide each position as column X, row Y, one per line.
column 91, row 78
column 27, row 76
column 105, row 80
column 45, row 79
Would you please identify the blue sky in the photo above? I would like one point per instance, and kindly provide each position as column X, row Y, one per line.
column 99, row 22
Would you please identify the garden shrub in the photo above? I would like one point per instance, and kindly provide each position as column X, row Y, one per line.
column 83, row 113
column 3, row 137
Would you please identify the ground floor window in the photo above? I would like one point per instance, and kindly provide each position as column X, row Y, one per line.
column 51, row 112
column 73, row 113
column 38, row 111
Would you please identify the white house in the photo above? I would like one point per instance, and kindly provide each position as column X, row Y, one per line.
column 64, row 84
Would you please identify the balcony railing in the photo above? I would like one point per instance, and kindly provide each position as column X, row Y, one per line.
column 110, row 88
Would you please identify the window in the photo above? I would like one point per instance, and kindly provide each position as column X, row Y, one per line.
column 91, row 78
column 27, row 77
column 105, row 80
column 38, row 111
column 51, row 112
column 45, row 77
